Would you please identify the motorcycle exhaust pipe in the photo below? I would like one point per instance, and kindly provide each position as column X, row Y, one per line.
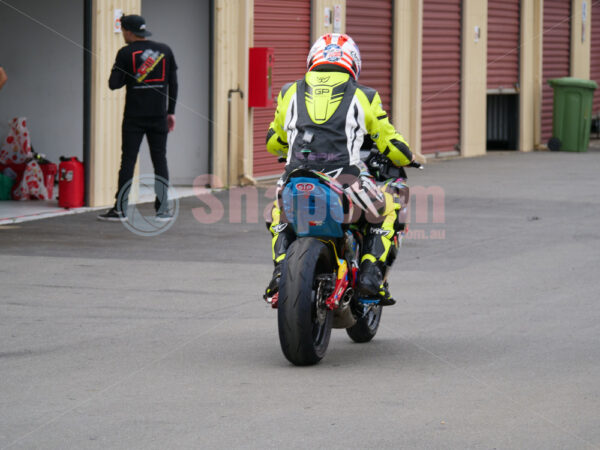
column 342, row 316
column 347, row 298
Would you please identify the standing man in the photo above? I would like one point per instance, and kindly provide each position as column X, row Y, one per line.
column 149, row 71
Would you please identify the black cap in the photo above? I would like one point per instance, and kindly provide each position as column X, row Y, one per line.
column 135, row 24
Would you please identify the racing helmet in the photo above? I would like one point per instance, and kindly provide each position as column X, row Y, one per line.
column 337, row 50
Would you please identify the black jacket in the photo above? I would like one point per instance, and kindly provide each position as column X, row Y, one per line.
column 149, row 71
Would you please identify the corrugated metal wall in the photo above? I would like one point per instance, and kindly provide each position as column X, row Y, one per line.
column 503, row 43
column 595, row 54
column 285, row 26
column 556, row 54
column 440, row 126
column 370, row 25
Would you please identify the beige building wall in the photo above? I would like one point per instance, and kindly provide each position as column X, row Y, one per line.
column 245, row 113
column 406, row 76
column 319, row 25
column 580, row 38
column 233, row 27
column 530, row 95
column 106, row 105
column 474, row 78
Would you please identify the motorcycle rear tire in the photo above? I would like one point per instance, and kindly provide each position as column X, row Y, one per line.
column 304, row 329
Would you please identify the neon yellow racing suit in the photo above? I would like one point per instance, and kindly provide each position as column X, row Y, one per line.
column 338, row 113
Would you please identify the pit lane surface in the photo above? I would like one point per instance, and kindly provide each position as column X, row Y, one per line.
column 113, row 340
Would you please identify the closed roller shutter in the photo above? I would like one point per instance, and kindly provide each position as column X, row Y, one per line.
column 503, row 44
column 370, row 25
column 595, row 56
column 556, row 57
column 285, row 26
column 440, row 120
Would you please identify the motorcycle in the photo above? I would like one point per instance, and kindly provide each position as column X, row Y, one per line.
column 318, row 285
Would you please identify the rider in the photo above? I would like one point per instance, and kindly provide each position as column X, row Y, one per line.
column 322, row 121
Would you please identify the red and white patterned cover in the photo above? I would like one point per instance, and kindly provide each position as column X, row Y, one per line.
column 32, row 184
column 16, row 147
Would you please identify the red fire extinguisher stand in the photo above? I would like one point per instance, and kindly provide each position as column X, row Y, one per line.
column 71, row 188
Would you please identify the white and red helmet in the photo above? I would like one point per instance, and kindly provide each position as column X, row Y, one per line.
column 337, row 49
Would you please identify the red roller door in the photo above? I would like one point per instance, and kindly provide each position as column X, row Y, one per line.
column 370, row 25
column 503, row 44
column 556, row 57
column 285, row 26
column 595, row 56
column 440, row 120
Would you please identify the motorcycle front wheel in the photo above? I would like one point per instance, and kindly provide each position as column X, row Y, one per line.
column 367, row 323
column 303, row 319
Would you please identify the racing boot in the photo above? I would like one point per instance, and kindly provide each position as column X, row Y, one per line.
column 273, row 287
column 371, row 284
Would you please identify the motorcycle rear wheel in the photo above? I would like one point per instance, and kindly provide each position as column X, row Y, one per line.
column 304, row 320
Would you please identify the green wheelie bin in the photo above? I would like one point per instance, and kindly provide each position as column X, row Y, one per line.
column 572, row 114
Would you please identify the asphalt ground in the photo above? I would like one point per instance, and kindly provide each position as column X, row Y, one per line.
column 113, row 340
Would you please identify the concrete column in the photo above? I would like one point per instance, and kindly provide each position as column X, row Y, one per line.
column 106, row 105
column 245, row 114
column 580, row 38
column 530, row 94
column 407, row 72
column 474, row 78
column 319, row 27
column 233, row 25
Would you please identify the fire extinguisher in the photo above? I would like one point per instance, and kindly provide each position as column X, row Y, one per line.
column 70, row 183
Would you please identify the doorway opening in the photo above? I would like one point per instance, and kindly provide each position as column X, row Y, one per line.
column 502, row 121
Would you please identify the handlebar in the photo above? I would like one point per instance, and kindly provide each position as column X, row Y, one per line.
column 382, row 168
